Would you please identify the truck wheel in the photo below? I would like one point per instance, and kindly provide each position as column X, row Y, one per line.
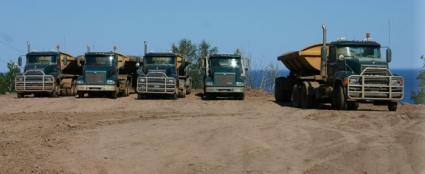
column 339, row 101
column 182, row 93
column 305, row 100
column 175, row 96
column 55, row 92
column 73, row 90
column 140, row 96
column 392, row 106
column 189, row 88
column 277, row 90
column 241, row 96
column 19, row 95
column 80, row 94
column 295, row 97
column 352, row 106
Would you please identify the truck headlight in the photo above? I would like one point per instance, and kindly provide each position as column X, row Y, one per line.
column 48, row 78
column 19, row 78
column 170, row 80
column 142, row 80
column 354, row 80
column 396, row 82
column 240, row 84
column 110, row 82
column 209, row 83
column 80, row 82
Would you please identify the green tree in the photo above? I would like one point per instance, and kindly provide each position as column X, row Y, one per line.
column 3, row 84
column 194, row 52
column 419, row 96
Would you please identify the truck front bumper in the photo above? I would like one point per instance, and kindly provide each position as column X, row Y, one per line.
column 232, row 89
column 96, row 88
column 156, row 85
column 34, row 83
column 375, row 88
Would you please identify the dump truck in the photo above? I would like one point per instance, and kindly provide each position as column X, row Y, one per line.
column 343, row 73
column 47, row 72
column 224, row 76
column 109, row 73
column 163, row 74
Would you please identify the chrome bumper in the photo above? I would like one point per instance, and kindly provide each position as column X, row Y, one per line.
column 375, row 87
column 156, row 85
column 96, row 88
column 34, row 83
column 232, row 89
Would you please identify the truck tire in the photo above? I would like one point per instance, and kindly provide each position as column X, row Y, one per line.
column 392, row 106
column 352, row 106
column 278, row 93
column 55, row 92
column 127, row 89
column 295, row 96
column 19, row 95
column 241, row 96
column 140, row 96
column 80, row 95
column 182, row 93
column 306, row 101
column 189, row 88
column 339, row 100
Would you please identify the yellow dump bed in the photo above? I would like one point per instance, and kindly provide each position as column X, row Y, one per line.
column 305, row 62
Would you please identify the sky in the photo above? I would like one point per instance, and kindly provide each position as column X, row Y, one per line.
column 261, row 29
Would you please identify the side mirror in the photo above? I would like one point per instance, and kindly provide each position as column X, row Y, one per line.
column 389, row 55
column 79, row 61
column 20, row 61
column 65, row 60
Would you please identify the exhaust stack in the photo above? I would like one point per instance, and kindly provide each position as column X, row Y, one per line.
column 146, row 47
column 323, row 67
column 28, row 46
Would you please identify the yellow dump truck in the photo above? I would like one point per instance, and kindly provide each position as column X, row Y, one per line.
column 343, row 73
column 108, row 73
column 50, row 72
column 164, row 73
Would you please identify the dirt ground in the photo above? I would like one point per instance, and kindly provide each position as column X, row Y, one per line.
column 255, row 136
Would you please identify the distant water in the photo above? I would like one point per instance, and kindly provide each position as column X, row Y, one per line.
column 410, row 82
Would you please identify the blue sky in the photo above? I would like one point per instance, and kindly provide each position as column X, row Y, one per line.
column 261, row 29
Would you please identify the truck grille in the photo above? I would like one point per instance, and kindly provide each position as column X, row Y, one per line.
column 224, row 79
column 156, row 82
column 34, row 83
column 95, row 77
column 373, row 87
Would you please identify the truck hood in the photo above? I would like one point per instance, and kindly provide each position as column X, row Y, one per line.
column 357, row 66
column 45, row 68
column 169, row 70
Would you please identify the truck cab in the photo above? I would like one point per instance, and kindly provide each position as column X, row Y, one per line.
column 359, row 68
column 104, row 72
column 224, row 76
column 47, row 72
column 164, row 74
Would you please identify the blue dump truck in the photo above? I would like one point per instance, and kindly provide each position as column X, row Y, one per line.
column 163, row 74
column 107, row 73
column 343, row 73
column 224, row 76
column 47, row 73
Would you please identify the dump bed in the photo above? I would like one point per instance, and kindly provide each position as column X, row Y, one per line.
column 305, row 62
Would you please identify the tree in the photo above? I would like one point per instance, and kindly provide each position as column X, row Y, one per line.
column 193, row 52
column 7, row 80
column 419, row 96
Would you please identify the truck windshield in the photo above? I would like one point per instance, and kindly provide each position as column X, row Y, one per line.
column 42, row 59
column 159, row 60
column 99, row 60
column 225, row 63
column 358, row 52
